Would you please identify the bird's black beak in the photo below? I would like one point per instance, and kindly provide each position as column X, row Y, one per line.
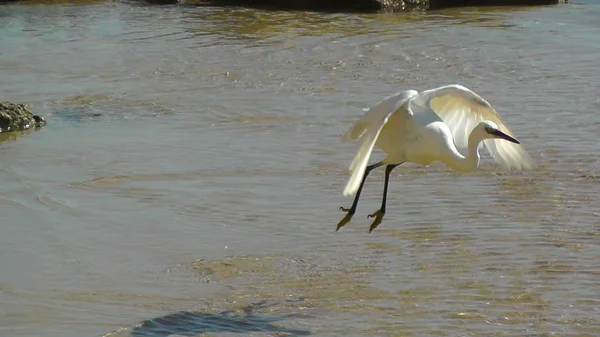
column 504, row 136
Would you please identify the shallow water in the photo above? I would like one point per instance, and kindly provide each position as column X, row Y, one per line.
column 192, row 162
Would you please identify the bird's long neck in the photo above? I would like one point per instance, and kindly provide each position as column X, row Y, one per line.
column 467, row 163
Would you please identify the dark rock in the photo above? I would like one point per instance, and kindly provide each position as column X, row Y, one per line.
column 439, row 4
column 18, row 117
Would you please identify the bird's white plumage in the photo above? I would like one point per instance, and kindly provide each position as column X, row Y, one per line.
column 462, row 109
column 368, row 129
column 458, row 107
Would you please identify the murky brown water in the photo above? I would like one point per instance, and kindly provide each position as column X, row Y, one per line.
column 192, row 162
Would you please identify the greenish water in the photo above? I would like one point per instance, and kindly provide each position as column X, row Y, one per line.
column 192, row 162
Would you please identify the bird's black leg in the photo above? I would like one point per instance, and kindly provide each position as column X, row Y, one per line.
column 381, row 212
column 352, row 208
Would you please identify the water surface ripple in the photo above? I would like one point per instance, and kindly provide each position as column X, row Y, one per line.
column 189, row 179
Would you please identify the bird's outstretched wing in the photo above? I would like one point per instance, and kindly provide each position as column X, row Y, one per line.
column 368, row 129
column 462, row 109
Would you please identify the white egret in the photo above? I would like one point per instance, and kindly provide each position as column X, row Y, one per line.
column 426, row 127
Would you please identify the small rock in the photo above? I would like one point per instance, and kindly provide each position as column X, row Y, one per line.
column 18, row 117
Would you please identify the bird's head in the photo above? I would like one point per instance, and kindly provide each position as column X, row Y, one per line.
column 490, row 130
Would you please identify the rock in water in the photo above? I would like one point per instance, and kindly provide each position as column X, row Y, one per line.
column 18, row 117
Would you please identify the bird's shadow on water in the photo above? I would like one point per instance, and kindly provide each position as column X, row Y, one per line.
column 193, row 323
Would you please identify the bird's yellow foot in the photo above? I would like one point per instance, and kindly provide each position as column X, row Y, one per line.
column 346, row 219
column 378, row 217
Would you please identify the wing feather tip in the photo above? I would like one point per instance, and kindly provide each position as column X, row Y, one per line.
column 355, row 132
column 351, row 187
column 528, row 164
column 347, row 137
column 348, row 193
